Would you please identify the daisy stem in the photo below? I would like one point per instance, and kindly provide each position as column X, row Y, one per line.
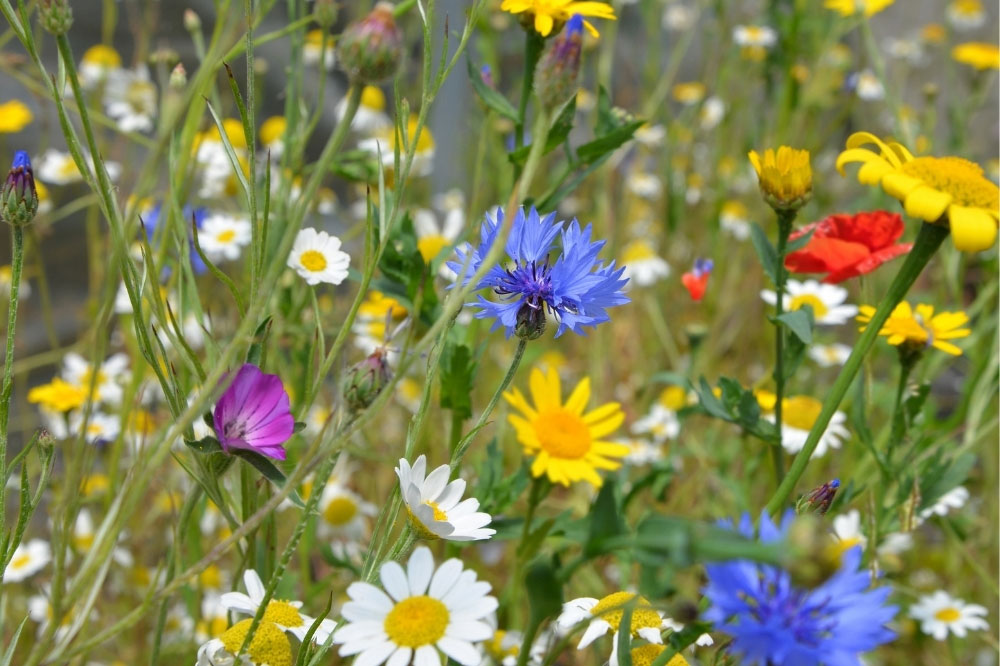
column 17, row 263
column 785, row 219
column 926, row 244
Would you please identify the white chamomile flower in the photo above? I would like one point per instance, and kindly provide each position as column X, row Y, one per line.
column 965, row 15
column 827, row 356
column 223, row 237
column 285, row 614
column 940, row 614
column 424, row 611
column 734, row 219
column 895, row 544
column 678, row 17
column 643, row 266
column 434, row 507
column 98, row 62
column 214, row 618
column 269, row 647
column 317, row 257
column 77, row 370
column 826, row 301
column 408, row 393
column 645, row 185
column 58, row 168
column 847, row 531
column 28, row 559
column 343, row 513
column 433, row 238
column 100, row 428
column 641, row 451
column 953, row 499
column 604, row 615
column 130, row 99
column 651, row 136
column 704, row 640
column 371, row 114
column 83, row 531
column 660, row 423
column 867, row 86
column 272, row 137
column 798, row 414
column 760, row 36
column 711, row 114
column 313, row 50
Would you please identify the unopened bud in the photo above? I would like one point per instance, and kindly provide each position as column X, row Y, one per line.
column 325, row 12
column 486, row 74
column 818, row 500
column 371, row 49
column 164, row 56
column 530, row 322
column 178, row 77
column 56, row 16
column 192, row 22
column 559, row 67
column 365, row 380
column 19, row 198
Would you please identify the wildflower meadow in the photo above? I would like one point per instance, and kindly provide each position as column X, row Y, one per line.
column 499, row 332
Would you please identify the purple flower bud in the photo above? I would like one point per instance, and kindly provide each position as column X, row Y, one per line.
column 19, row 198
column 371, row 49
column 254, row 414
column 486, row 74
column 366, row 379
column 559, row 67
column 819, row 499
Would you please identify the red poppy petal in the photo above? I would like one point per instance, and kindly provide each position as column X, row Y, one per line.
column 823, row 255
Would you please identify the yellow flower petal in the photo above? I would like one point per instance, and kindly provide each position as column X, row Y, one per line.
column 972, row 229
column 543, row 24
column 926, row 203
column 578, row 400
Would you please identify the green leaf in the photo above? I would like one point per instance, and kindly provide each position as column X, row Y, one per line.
column 710, row 403
column 545, row 597
column 748, row 409
column 800, row 323
column 941, row 477
column 405, row 272
column 269, row 471
column 594, row 150
column 557, row 134
column 765, row 251
column 624, row 646
column 458, row 372
column 204, row 445
column 490, row 97
column 800, row 242
column 299, row 426
column 605, row 520
column 608, row 118
column 8, row 656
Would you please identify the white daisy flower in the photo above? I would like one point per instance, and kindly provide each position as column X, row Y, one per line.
column 847, row 531
column 408, row 393
column 867, row 86
column 644, row 185
column 755, row 35
column 28, row 559
column 425, row 611
column 383, row 141
column 826, row 301
column 641, row 451
column 827, row 356
column 272, row 137
column 953, row 499
column 316, row 419
column 77, row 370
column 651, row 136
column 965, row 15
column 502, row 649
column 678, row 17
column 734, row 219
column 343, row 513
column 58, row 168
column 83, row 531
column 643, row 266
column 433, row 504
column 130, row 98
column 98, row 62
column 101, row 428
column 604, row 615
column 711, row 114
column 798, row 415
column 940, row 614
column 371, row 114
column 895, row 543
column 907, row 49
column 313, row 49
column 317, row 257
column 434, row 238
column 660, row 423
column 223, row 237
column 285, row 614
column 452, row 199
column 269, row 647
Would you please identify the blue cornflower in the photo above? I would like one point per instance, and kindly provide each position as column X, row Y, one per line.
column 575, row 288
column 151, row 220
column 774, row 623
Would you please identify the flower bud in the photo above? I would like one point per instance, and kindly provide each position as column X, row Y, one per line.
column 178, row 77
column 55, row 16
column 559, row 67
column 784, row 176
column 371, row 49
column 819, row 499
column 325, row 12
column 365, row 380
column 192, row 22
column 530, row 322
column 19, row 198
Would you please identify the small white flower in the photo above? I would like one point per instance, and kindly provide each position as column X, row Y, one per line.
column 651, row 136
column 285, row 614
column 130, row 98
column 867, row 86
column 798, row 415
column 755, row 35
column 58, row 168
column 644, row 185
column 643, row 266
column 424, row 611
column 734, row 219
column 847, row 530
column 827, row 356
column 908, row 50
column 660, row 423
column 343, row 514
column 6, row 276
column 678, row 17
column 712, row 112
column 223, row 237
column 604, row 615
column 370, row 116
column 953, row 499
column 434, row 506
column 940, row 613
column 965, row 15
column 101, row 428
column 895, row 543
column 641, row 451
column 83, row 531
column 313, row 49
column 434, row 238
column 826, row 301
column 107, row 387
column 317, row 257
column 28, row 559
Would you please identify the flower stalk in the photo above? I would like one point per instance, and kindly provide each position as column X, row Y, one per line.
column 785, row 219
column 17, row 264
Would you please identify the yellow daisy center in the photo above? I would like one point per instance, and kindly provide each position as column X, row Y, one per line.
column 562, row 434
column 673, row 398
column 637, row 251
column 340, row 511
column 416, row 621
column 102, row 55
column 612, row 607
column 313, row 260
column 269, row 645
column 494, row 647
column 947, row 615
column 818, row 307
column 644, row 655
column 373, row 98
column 211, row 577
column 283, row 613
column 800, row 412
column 20, row 561
column 960, row 178
column 226, row 236
column 431, row 246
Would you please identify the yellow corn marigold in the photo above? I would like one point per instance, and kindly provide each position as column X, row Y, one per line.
column 784, row 175
column 545, row 15
column 920, row 328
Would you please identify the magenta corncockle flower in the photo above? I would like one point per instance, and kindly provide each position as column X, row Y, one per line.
column 254, row 414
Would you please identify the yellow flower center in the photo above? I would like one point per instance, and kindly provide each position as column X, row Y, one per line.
column 562, row 434
column 226, row 236
column 673, row 398
column 269, row 645
column 431, row 246
column 211, row 577
column 373, row 98
column 340, row 511
column 416, row 621
column 438, row 513
column 947, row 615
column 494, row 647
column 272, row 129
column 637, row 251
column 83, row 542
column 102, row 55
column 283, row 613
column 960, row 178
column 818, row 307
column 644, row 655
column 20, row 561
column 800, row 412
column 313, row 260
column 611, row 609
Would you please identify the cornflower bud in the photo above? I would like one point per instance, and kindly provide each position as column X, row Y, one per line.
column 530, row 321
column 56, row 16
column 819, row 499
column 19, row 198
column 371, row 49
column 559, row 67
column 366, row 379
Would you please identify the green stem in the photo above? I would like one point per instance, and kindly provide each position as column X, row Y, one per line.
column 533, row 43
column 17, row 263
column 907, row 361
column 785, row 219
column 926, row 244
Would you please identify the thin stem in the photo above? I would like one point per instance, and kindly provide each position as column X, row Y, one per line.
column 785, row 219
column 926, row 244
column 533, row 43
column 907, row 362
column 17, row 263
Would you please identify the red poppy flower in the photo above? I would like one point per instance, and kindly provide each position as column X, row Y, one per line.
column 696, row 280
column 845, row 246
